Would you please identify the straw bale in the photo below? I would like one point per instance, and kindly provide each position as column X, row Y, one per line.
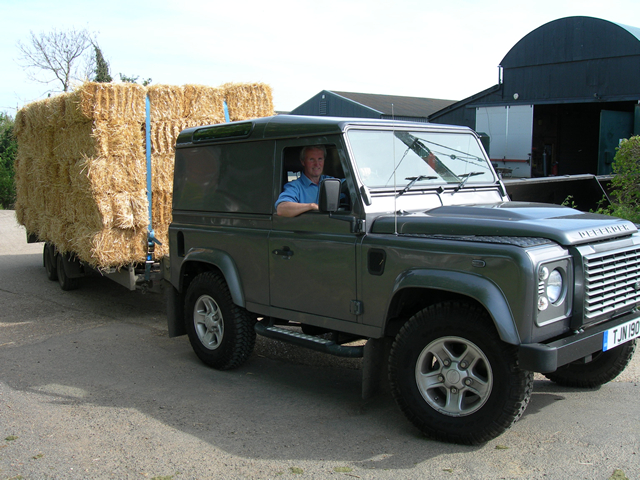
column 248, row 100
column 203, row 104
column 20, row 124
column 38, row 115
column 56, row 109
column 76, row 103
column 164, row 136
column 166, row 102
column 81, row 165
column 161, row 201
column 118, row 139
column 106, row 101
column 21, row 181
column 36, row 142
column 74, row 141
column 130, row 210
column 162, row 172
column 113, row 247
column 76, row 177
column 115, row 174
column 105, row 209
column 82, row 207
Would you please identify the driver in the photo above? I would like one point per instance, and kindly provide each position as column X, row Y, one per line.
column 301, row 195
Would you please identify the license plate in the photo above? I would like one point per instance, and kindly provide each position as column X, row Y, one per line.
column 622, row 333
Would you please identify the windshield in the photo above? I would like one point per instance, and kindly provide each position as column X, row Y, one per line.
column 385, row 158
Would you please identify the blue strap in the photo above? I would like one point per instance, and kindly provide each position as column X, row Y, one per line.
column 148, row 148
column 151, row 237
column 226, row 111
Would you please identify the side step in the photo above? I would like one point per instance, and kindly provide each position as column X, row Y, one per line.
column 309, row 341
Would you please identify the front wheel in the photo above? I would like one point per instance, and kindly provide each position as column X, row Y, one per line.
column 454, row 378
column 604, row 367
column 220, row 332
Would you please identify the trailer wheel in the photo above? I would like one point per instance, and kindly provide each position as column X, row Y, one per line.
column 66, row 283
column 454, row 378
column 220, row 332
column 49, row 260
column 604, row 367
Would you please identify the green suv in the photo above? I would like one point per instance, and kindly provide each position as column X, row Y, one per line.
column 416, row 261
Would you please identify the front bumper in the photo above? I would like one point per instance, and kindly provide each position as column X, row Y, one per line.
column 548, row 357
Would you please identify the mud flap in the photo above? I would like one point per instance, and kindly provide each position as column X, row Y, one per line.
column 175, row 311
column 374, row 367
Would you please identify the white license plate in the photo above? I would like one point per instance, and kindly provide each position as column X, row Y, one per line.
column 622, row 333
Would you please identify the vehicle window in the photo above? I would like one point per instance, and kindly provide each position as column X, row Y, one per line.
column 386, row 158
column 224, row 178
column 292, row 168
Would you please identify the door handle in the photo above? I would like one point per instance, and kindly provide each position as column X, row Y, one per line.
column 285, row 253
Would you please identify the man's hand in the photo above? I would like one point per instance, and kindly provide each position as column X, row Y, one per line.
column 293, row 209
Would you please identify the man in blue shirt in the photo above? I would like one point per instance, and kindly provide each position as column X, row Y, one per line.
column 301, row 195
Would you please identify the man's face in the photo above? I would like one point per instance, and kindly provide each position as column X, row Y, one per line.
column 313, row 164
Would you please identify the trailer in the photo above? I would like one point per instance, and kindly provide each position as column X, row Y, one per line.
column 94, row 173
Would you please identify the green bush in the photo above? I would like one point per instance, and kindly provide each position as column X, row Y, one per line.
column 626, row 182
column 8, row 150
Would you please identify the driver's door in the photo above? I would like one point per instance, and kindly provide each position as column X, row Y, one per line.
column 312, row 257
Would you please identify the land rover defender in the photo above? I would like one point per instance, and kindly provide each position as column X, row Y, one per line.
column 417, row 260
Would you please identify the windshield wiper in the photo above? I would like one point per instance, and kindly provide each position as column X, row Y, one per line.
column 466, row 176
column 413, row 181
column 429, row 157
column 398, row 166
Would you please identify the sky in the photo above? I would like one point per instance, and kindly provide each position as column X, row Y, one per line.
column 446, row 49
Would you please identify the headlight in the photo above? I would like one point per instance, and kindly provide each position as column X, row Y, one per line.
column 555, row 286
column 554, row 299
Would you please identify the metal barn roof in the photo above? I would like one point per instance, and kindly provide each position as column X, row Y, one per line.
column 368, row 105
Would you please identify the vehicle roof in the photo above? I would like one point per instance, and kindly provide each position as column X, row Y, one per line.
column 283, row 126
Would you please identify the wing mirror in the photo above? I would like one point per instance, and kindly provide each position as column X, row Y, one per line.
column 329, row 200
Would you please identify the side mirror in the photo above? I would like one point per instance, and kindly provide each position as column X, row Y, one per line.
column 329, row 200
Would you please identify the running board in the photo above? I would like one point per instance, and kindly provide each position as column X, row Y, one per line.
column 309, row 341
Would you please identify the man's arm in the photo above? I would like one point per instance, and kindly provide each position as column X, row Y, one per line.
column 293, row 209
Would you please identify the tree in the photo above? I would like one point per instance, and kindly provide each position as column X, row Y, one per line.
column 57, row 54
column 126, row 79
column 626, row 182
column 8, row 151
column 101, row 70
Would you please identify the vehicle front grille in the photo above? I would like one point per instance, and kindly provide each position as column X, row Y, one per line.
column 612, row 281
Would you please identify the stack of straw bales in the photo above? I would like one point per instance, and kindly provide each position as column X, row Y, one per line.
column 81, row 176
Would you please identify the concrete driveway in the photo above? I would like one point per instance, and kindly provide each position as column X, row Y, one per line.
column 91, row 386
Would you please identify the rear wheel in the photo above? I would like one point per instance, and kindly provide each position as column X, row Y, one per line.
column 220, row 332
column 454, row 378
column 604, row 367
column 66, row 283
column 48, row 256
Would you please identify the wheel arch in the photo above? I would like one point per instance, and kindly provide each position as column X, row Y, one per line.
column 416, row 289
column 201, row 260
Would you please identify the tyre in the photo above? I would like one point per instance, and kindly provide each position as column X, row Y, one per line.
column 454, row 378
column 220, row 332
column 49, row 261
column 66, row 283
column 604, row 367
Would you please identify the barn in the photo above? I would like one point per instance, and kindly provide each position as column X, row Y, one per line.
column 369, row 105
column 568, row 92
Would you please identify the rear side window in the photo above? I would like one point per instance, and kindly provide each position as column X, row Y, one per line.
column 233, row 178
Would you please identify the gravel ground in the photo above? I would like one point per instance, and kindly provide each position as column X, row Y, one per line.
column 92, row 387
